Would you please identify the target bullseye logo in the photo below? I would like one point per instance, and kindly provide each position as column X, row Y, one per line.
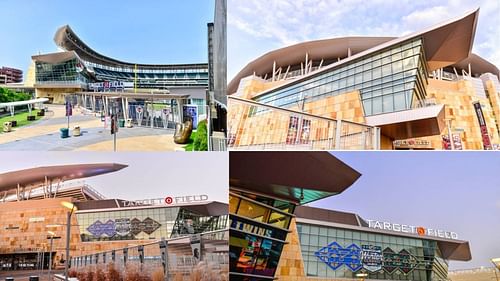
column 169, row 200
column 421, row 231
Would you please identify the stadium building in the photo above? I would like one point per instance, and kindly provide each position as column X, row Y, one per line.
column 425, row 90
column 110, row 86
column 272, row 236
column 32, row 205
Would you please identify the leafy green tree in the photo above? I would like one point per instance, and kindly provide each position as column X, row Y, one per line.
column 201, row 140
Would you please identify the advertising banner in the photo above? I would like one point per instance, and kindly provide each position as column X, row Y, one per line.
column 122, row 227
column 69, row 108
column 293, row 127
column 190, row 110
column 369, row 257
column 195, row 241
column 305, row 131
column 482, row 126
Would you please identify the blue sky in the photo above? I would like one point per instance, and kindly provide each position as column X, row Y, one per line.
column 134, row 31
column 258, row 26
column 457, row 192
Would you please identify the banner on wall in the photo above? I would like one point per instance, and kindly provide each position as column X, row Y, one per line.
column 482, row 126
column 190, row 110
column 293, row 127
column 371, row 257
column 367, row 257
column 123, row 227
column 195, row 241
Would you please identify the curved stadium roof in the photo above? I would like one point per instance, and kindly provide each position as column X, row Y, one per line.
column 67, row 39
column 37, row 176
column 446, row 45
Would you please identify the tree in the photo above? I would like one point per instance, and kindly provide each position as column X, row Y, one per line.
column 201, row 140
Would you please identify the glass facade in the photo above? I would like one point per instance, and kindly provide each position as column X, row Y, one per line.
column 330, row 252
column 146, row 223
column 258, row 230
column 390, row 80
column 68, row 72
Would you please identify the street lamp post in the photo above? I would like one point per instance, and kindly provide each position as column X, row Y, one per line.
column 72, row 208
column 50, row 252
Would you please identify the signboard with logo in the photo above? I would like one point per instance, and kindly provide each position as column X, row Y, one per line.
column 168, row 200
column 412, row 143
column 123, row 227
column 406, row 228
column 190, row 110
column 482, row 126
column 110, row 85
column 367, row 257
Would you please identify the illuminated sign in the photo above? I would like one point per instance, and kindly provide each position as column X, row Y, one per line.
column 405, row 228
column 169, row 200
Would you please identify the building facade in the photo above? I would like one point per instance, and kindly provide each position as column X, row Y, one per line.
column 10, row 75
column 262, row 205
column 332, row 245
column 273, row 236
column 426, row 88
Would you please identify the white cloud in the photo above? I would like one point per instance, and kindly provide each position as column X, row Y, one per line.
column 278, row 23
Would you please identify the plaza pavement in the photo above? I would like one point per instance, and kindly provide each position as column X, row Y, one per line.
column 44, row 135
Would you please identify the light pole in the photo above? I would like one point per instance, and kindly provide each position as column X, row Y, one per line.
column 70, row 206
column 50, row 251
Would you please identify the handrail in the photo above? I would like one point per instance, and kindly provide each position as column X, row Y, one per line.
column 254, row 103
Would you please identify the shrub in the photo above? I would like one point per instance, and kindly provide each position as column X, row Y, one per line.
column 158, row 274
column 112, row 274
column 201, row 140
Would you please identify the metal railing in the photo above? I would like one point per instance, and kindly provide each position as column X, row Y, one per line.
column 257, row 126
column 176, row 257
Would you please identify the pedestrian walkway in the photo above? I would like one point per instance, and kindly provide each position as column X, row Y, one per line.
column 45, row 135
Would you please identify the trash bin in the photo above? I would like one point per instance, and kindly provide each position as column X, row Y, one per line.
column 33, row 278
column 14, row 123
column 64, row 133
column 7, row 126
column 129, row 123
column 76, row 131
column 9, row 278
column 30, row 117
column 121, row 123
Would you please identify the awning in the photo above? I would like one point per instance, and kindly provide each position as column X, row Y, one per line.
column 297, row 176
column 413, row 123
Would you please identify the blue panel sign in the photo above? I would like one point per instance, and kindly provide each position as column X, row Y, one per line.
column 370, row 258
column 335, row 256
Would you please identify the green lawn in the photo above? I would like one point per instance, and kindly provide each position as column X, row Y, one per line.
column 189, row 146
column 20, row 118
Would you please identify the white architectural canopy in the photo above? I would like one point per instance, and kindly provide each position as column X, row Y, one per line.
column 29, row 103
